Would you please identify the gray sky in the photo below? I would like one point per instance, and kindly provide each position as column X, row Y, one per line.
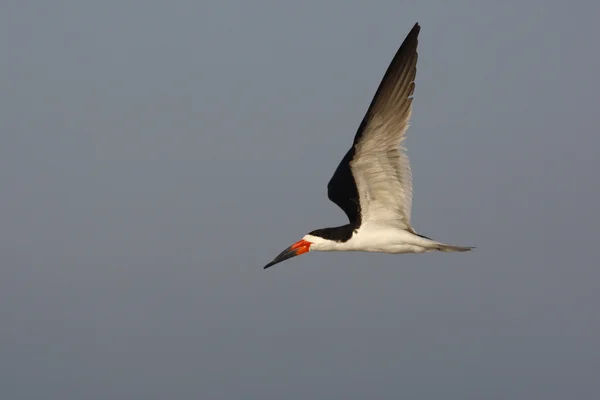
column 155, row 155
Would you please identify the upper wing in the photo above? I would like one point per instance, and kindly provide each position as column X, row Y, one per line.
column 377, row 163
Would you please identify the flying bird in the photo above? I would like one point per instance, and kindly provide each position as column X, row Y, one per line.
column 373, row 183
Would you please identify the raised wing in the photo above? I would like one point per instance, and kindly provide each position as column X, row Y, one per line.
column 373, row 182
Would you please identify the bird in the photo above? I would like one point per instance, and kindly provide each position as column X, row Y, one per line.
column 373, row 182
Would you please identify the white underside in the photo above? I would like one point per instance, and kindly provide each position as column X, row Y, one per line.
column 380, row 239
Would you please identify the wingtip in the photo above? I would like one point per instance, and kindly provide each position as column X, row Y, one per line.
column 414, row 32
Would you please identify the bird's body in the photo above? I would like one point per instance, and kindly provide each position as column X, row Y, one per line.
column 373, row 183
column 376, row 239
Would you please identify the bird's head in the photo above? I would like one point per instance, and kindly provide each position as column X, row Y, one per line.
column 319, row 240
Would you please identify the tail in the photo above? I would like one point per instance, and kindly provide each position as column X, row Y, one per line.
column 448, row 248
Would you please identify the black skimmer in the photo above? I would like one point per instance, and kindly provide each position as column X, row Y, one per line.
column 373, row 183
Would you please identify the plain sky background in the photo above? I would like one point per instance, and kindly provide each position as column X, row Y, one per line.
column 155, row 155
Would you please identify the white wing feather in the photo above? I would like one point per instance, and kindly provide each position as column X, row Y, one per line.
column 383, row 176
